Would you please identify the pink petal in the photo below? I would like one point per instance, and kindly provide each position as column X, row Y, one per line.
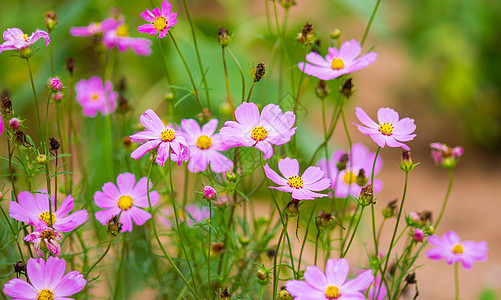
column 166, row 8
column 72, row 283
column 288, row 167
column 360, row 283
column 65, row 207
column 125, row 183
column 320, row 185
column 38, row 35
column 71, row 222
column 300, row 288
column 54, row 271
column 350, row 50
column 162, row 153
column 336, row 271
column 151, row 121
column 266, row 148
column 126, row 220
column 218, row 162
column 156, row 11
column 139, row 216
column 80, row 31
column 362, row 62
column 191, row 127
column 36, row 272
column 247, row 114
column 141, row 150
column 284, row 188
column 386, row 114
column 20, row 289
column 365, row 119
column 274, row 176
column 210, row 127
column 314, row 277
column 103, row 216
column 333, row 53
column 148, row 16
column 324, row 73
column 147, row 28
column 318, row 60
column 312, row 174
column 404, row 126
column 392, row 142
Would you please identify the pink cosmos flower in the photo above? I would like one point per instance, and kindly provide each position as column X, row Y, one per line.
column 345, row 180
column 332, row 284
column 160, row 21
column 450, row 247
column 301, row 187
column 390, row 130
column 337, row 62
column 444, row 155
column 119, row 37
column 93, row 97
column 34, row 210
column 192, row 214
column 161, row 136
column 272, row 127
column 16, row 39
column 380, row 289
column 49, row 237
column 205, row 147
column 48, row 281
column 125, row 200
column 96, row 27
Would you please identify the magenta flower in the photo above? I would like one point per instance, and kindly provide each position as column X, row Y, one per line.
column 337, row 62
column 205, row 147
column 96, row 27
column 345, row 180
column 93, row 97
column 125, row 200
column 332, row 284
column 450, row 247
column 272, row 127
column 418, row 235
column 444, row 155
column 160, row 21
column 120, row 38
column 16, row 39
column 161, row 136
column 55, row 84
column 49, row 237
column 1, row 125
column 390, row 130
column 301, row 187
column 14, row 124
column 48, row 281
column 209, row 192
column 34, row 210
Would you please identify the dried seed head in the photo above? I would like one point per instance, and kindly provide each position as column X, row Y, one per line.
column 366, row 195
column 114, row 226
column 390, row 210
column 6, row 107
column 307, row 36
column 258, row 72
column 322, row 90
column 54, row 144
column 50, row 20
column 361, row 178
column 347, row 88
column 20, row 269
column 343, row 162
column 225, row 295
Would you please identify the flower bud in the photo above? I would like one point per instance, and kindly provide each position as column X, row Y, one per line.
column 57, row 96
column 54, row 144
column 209, row 192
column 406, row 164
column 14, row 124
column 361, row 179
column 19, row 138
column 70, row 64
column 50, row 20
column 284, row 295
column 292, row 208
column 114, row 226
column 225, row 295
column 6, row 107
column 430, row 230
column 322, row 90
column 222, row 200
column 418, row 235
column 343, row 162
column 216, row 248
column 390, row 210
column 25, row 52
column 287, row 3
column 244, row 240
column 258, row 72
column 335, row 34
column 41, row 159
column 366, row 195
column 347, row 88
column 307, row 36
column 263, row 276
column 55, row 84
column 223, row 38
column 230, row 176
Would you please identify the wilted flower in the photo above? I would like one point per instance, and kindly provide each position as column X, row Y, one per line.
column 94, row 97
column 45, row 238
column 50, row 20
column 337, row 62
column 272, row 127
column 6, row 107
column 450, row 247
column 160, row 21
column 444, row 155
column 16, row 39
column 307, row 36
column 301, row 187
column 125, row 199
column 390, row 129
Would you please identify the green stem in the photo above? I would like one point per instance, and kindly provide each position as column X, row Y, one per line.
column 100, row 258
column 373, row 215
column 306, row 237
column 227, row 85
column 276, row 271
column 316, row 248
column 456, row 280
column 449, row 188
column 120, row 265
column 370, row 22
column 241, row 73
column 36, row 103
column 208, row 252
column 250, row 91
column 353, row 233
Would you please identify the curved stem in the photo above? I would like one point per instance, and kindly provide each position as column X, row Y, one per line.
column 370, row 22
column 241, row 73
column 227, row 84
column 353, row 233
column 449, row 188
column 250, row 91
column 100, row 258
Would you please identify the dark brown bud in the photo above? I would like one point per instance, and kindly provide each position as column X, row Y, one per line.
column 126, row 141
column 390, row 210
column 19, row 138
column 123, row 105
column 216, row 248
column 292, row 208
column 411, row 278
column 270, row 253
column 347, row 88
column 122, row 84
column 225, row 295
column 361, row 178
column 6, row 107
column 322, row 90
column 406, row 164
column 343, row 162
column 114, row 226
column 366, row 195
column 54, row 145
column 50, row 20
column 258, row 72
column 324, row 220
column 223, row 38
column 70, row 64
column 20, row 269
column 425, row 216
column 262, row 275
column 307, row 36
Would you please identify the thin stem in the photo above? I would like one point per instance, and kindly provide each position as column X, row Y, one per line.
column 353, row 233
column 100, row 258
column 209, row 294
column 370, row 22
column 36, row 103
column 316, row 247
column 449, row 188
column 11, row 170
column 276, row 271
column 250, row 91
column 241, row 72
column 120, row 265
column 227, row 85
column 70, row 132
column 306, row 236
column 373, row 216
column 164, row 63
column 456, row 280
column 296, row 105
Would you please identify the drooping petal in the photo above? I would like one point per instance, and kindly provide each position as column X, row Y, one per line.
column 365, row 119
column 266, row 148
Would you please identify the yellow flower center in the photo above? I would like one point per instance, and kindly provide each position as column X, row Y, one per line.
column 47, row 234
column 337, row 64
column 349, row 177
column 94, row 97
column 167, row 135
column 259, row 133
column 160, row 23
column 295, row 182
column 25, row 37
column 123, row 30
column 45, row 294
column 386, row 128
column 125, row 202
column 332, row 292
column 458, row 249
column 48, row 218
column 204, row 142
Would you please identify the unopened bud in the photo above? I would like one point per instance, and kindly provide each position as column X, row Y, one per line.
column 366, row 195
column 406, row 164
column 418, row 235
column 55, row 84
column 223, row 38
column 307, row 36
column 343, row 162
column 41, row 159
column 390, row 210
column 230, row 176
column 6, row 107
column 25, row 52
column 322, row 90
column 262, row 276
column 361, row 179
column 15, row 123
column 244, row 240
column 114, row 226
column 70, row 64
column 57, row 96
column 347, row 88
column 50, row 20
column 284, row 295
column 292, row 208
column 209, row 192
column 287, row 3
column 335, row 34
column 258, row 72
column 225, row 295
column 324, row 220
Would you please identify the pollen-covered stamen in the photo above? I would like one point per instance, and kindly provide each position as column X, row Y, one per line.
column 160, row 23
column 48, row 217
column 125, row 202
column 204, row 142
column 458, row 249
column 295, row 182
column 47, row 234
column 167, row 135
column 45, row 294
column 123, row 30
column 337, row 64
column 349, row 177
column 259, row 133
column 386, row 128
column 94, row 97
column 332, row 292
